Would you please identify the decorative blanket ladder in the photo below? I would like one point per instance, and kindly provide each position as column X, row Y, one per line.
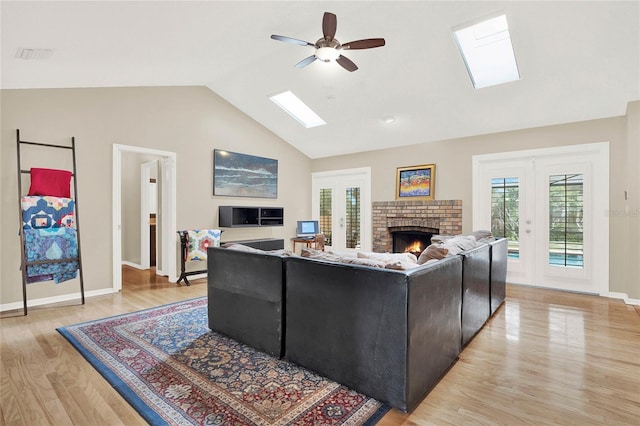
column 44, row 213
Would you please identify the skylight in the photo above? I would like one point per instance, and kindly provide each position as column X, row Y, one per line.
column 487, row 52
column 297, row 109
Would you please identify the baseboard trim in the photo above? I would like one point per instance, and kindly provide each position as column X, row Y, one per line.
column 54, row 299
column 625, row 297
column 133, row 265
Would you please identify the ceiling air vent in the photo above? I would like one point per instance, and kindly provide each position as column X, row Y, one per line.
column 31, row 53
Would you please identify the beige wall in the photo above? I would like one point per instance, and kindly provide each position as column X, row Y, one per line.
column 190, row 121
column 630, row 214
column 453, row 174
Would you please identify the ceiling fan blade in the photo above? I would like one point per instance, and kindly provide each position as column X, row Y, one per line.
column 291, row 40
column 364, row 44
column 346, row 63
column 329, row 25
column 306, row 61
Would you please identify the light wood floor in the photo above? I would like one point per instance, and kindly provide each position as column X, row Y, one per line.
column 545, row 358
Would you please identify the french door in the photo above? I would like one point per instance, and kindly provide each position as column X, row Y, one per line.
column 342, row 205
column 552, row 205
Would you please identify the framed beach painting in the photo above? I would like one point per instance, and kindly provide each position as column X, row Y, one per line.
column 416, row 182
column 242, row 175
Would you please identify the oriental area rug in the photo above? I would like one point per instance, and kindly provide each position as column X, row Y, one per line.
column 174, row 370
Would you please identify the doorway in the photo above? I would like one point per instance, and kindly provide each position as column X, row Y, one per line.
column 341, row 203
column 150, row 214
column 551, row 204
column 166, row 240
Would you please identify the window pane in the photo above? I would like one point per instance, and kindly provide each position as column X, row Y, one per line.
column 326, row 220
column 353, row 217
column 566, row 239
column 505, row 212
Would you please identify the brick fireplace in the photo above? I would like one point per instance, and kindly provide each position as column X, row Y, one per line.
column 436, row 217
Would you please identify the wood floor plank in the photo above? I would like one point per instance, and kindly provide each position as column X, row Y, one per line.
column 545, row 358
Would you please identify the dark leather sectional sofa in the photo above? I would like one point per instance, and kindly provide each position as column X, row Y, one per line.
column 388, row 334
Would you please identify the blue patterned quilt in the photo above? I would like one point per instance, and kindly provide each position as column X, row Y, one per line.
column 47, row 212
column 51, row 244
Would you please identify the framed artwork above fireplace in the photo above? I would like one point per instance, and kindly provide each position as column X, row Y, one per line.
column 416, row 182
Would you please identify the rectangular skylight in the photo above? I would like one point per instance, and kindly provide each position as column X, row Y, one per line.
column 297, row 109
column 487, row 52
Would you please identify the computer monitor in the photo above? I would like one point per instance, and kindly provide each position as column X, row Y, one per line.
column 307, row 228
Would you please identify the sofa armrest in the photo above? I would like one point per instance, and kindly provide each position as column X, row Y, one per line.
column 434, row 325
column 499, row 259
column 245, row 292
column 476, row 291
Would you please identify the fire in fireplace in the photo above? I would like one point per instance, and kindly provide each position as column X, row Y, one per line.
column 411, row 241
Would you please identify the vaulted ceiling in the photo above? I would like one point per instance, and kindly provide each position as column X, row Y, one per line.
column 577, row 60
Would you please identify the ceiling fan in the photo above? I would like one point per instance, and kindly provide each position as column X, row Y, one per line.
column 328, row 48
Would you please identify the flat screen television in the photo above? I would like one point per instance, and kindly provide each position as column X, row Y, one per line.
column 307, row 228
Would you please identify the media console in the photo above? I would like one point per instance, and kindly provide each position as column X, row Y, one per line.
column 242, row 216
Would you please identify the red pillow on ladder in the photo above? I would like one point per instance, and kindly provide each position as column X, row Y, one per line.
column 52, row 182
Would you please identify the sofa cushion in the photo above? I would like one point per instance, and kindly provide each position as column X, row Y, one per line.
column 341, row 253
column 388, row 257
column 401, row 265
column 483, row 236
column 363, row 262
column 332, row 257
column 462, row 242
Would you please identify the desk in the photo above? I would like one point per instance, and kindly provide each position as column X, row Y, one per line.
column 308, row 242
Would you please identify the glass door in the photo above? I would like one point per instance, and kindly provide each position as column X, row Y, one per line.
column 551, row 205
column 341, row 202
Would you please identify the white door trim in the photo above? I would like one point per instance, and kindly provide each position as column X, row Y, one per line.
column 598, row 155
column 169, row 250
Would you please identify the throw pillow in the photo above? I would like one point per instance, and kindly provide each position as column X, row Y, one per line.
column 199, row 241
column 437, row 239
column 56, row 183
column 434, row 251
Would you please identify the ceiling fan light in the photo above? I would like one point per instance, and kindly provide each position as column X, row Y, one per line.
column 327, row 54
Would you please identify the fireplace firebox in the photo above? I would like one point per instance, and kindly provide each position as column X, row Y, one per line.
column 411, row 241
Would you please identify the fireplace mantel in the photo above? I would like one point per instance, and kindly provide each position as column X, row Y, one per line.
column 437, row 216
